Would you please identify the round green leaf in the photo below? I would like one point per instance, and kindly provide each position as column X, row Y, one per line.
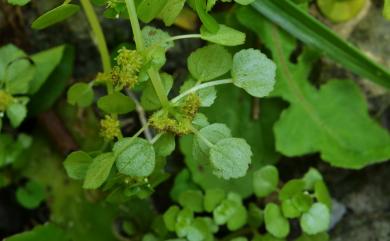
column 316, row 220
column 225, row 211
column 98, row 171
column 183, row 222
column 213, row 133
column 165, row 145
column 116, row 103
column 80, row 94
column 212, row 198
column 209, row 62
column 239, row 219
column 244, row 2
column 192, row 199
column 154, row 36
column 55, row 15
column 253, row 72
column 226, row 36
column 291, row 188
column 31, row 195
column 255, row 216
column 147, row 10
column 275, row 223
column 289, row 209
column 170, row 217
column 230, row 158
column 135, row 157
column 265, row 181
column 76, row 164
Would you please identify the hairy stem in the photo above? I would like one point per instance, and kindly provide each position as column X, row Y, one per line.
column 199, row 87
column 186, row 36
column 153, row 73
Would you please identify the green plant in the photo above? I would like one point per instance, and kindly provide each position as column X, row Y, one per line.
column 227, row 189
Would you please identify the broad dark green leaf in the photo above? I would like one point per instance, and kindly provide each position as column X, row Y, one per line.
column 80, row 94
column 39, row 233
column 309, row 30
column 76, row 164
column 99, row 170
column 55, row 15
column 275, row 223
column 265, row 181
column 208, row 21
column 318, row 120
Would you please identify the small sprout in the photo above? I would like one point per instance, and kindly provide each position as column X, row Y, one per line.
column 110, row 128
column 5, row 100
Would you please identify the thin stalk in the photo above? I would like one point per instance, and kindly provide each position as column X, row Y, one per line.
column 98, row 34
column 141, row 114
column 155, row 139
column 199, row 87
column 204, row 139
column 153, row 73
column 186, row 36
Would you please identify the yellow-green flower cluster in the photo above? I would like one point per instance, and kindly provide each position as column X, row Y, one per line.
column 180, row 123
column 129, row 63
column 5, row 100
column 110, row 128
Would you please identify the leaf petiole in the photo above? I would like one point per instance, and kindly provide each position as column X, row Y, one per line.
column 204, row 139
column 199, row 87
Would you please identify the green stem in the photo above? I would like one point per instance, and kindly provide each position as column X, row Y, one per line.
column 153, row 73
column 199, row 87
column 204, row 139
column 186, row 36
column 99, row 37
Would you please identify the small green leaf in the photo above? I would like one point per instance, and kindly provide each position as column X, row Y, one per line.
column 209, row 62
column 171, row 10
column 46, row 62
column 154, row 36
column 265, row 181
column 239, row 219
column 199, row 231
column 275, row 223
column 192, row 200
column 135, row 157
column 316, row 220
column 31, row 195
column 321, row 192
column 18, row 2
column 55, row 15
column 213, row 133
column 226, row 36
column 170, row 217
column 253, row 72
column 19, row 74
column 76, row 164
column 116, row 103
column 311, row 177
column 149, row 99
column 183, row 222
column 230, row 158
column 80, row 94
column 16, row 113
column 147, row 10
column 291, row 188
column 224, row 211
column 165, row 145
column 289, row 209
column 302, row 201
column 255, row 216
column 212, row 198
column 208, row 21
column 99, row 170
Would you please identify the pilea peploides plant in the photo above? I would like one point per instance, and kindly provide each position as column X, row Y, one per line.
column 133, row 166
column 137, row 161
